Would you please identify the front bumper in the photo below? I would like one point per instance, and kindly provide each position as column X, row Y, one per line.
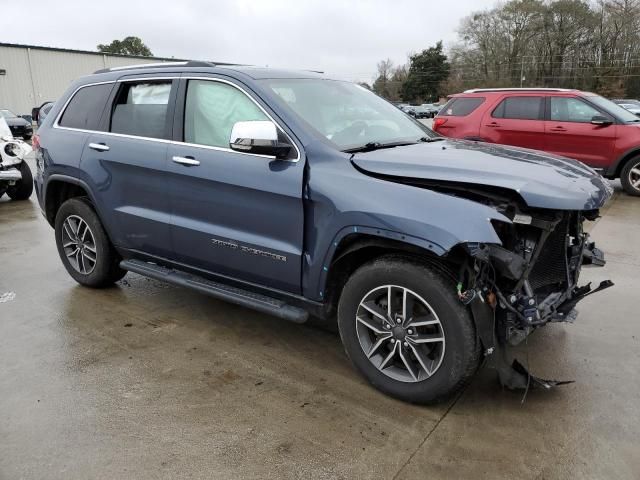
column 10, row 175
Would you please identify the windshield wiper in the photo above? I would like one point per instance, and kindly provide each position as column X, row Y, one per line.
column 431, row 139
column 368, row 147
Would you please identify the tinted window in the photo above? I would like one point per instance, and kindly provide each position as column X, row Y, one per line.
column 520, row 108
column 461, row 107
column 566, row 109
column 85, row 108
column 211, row 110
column 140, row 109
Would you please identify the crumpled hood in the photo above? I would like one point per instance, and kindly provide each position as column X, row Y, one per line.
column 542, row 180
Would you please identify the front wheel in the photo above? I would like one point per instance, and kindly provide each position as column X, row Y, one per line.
column 405, row 330
column 23, row 188
column 630, row 177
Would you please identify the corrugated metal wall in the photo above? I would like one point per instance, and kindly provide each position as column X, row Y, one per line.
column 34, row 76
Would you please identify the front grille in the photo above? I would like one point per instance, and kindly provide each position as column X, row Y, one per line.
column 551, row 265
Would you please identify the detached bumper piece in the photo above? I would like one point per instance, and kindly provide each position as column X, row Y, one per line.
column 517, row 377
column 529, row 281
column 592, row 255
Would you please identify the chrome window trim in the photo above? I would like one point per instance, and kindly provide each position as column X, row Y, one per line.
column 176, row 142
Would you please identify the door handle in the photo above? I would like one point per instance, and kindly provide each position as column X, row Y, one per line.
column 492, row 124
column 187, row 161
column 101, row 147
column 557, row 129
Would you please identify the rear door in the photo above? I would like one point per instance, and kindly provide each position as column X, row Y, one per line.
column 516, row 120
column 127, row 164
column 569, row 131
column 236, row 214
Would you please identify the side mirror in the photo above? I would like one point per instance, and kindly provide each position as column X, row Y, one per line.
column 601, row 120
column 258, row 137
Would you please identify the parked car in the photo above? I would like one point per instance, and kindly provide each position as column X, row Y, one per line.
column 626, row 100
column 20, row 128
column 15, row 175
column 301, row 196
column 420, row 111
column 431, row 109
column 571, row 123
column 632, row 107
column 407, row 108
column 39, row 113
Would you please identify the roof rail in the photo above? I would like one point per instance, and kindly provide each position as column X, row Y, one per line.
column 522, row 89
column 191, row 63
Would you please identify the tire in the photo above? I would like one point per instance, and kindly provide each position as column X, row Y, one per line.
column 631, row 174
column 452, row 362
column 23, row 189
column 97, row 255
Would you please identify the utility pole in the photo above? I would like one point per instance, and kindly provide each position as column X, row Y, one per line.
column 522, row 71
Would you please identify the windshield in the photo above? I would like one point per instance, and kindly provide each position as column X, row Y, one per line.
column 7, row 114
column 347, row 114
column 613, row 108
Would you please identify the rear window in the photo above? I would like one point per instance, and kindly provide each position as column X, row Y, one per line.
column 461, row 107
column 85, row 108
column 141, row 109
column 520, row 108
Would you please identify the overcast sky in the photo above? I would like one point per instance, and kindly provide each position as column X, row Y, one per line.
column 341, row 37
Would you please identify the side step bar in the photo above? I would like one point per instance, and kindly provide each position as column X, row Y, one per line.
column 245, row 298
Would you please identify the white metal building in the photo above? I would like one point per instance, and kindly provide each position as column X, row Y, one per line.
column 31, row 75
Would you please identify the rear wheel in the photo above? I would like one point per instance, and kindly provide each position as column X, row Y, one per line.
column 630, row 176
column 22, row 189
column 84, row 247
column 405, row 330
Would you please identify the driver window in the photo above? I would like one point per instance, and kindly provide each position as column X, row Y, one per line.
column 568, row 109
column 211, row 110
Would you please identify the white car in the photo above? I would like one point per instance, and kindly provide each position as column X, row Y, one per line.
column 15, row 176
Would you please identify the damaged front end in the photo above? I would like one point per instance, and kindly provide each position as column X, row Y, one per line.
column 528, row 281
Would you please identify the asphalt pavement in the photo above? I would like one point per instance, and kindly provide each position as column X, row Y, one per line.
column 146, row 380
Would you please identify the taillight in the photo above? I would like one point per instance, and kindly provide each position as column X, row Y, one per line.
column 35, row 142
column 438, row 122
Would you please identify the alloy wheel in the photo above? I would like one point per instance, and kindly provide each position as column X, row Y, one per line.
column 79, row 244
column 400, row 333
column 634, row 176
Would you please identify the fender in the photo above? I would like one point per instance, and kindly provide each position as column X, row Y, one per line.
column 67, row 179
column 613, row 170
column 339, row 200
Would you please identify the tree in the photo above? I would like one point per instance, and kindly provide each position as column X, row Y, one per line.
column 586, row 44
column 381, row 83
column 128, row 46
column 427, row 72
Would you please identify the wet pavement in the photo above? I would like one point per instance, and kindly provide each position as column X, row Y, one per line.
column 146, row 380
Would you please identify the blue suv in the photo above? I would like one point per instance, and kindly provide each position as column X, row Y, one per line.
column 300, row 196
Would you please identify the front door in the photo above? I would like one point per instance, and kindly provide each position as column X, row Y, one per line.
column 235, row 214
column 569, row 132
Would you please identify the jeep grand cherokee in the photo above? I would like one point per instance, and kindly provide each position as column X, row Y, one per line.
column 299, row 196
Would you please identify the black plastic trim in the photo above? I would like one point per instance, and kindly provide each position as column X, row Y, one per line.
column 245, row 298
